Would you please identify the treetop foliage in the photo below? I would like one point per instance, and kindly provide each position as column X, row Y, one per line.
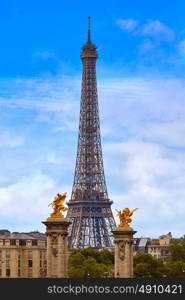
column 100, row 263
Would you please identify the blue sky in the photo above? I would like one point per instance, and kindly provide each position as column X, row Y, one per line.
column 140, row 70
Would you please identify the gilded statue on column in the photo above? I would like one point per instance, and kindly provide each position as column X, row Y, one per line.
column 125, row 217
column 58, row 206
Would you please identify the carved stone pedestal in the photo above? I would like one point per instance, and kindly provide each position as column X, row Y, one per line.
column 123, row 238
column 57, row 253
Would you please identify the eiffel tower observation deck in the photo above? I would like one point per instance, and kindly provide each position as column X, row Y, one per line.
column 89, row 208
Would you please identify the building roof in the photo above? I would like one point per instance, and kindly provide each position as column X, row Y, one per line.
column 33, row 235
column 143, row 242
column 155, row 242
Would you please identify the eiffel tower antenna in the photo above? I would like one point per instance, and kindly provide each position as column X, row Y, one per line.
column 89, row 29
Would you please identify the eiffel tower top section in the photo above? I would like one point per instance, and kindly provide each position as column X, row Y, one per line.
column 89, row 180
column 89, row 50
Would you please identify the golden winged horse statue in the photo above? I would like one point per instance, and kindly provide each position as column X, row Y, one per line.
column 58, row 206
column 125, row 217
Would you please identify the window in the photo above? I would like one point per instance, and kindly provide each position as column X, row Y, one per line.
column 29, row 253
column 22, row 242
column 7, row 253
column 12, row 242
column 30, row 263
column 34, row 242
column 8, row 263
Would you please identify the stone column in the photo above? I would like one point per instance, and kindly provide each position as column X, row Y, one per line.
column 3, row 262
column 123, row 237
column 49, row 255
column 14, row 263
column 36, row 263
column 24, row 258
column 56, row 230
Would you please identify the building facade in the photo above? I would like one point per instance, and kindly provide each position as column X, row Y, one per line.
column 158, row 248
column 22, row 254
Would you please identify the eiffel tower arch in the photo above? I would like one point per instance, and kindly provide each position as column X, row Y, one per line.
column 89, row 207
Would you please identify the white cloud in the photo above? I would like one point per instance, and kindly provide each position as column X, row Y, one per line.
column 142, row 122
column 154, row 30
column 182, row 46
column 127, row 24
column 144, row 106
column 157, row 29
column 152, row 179
column 10, row 140
column 146, row 46
column 181, row 49
column 146, row 162
column 53, row 100
column 169, row 133
column 27, row 200
column 45, row 54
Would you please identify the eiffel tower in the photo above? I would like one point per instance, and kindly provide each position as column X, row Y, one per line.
column 89, row 208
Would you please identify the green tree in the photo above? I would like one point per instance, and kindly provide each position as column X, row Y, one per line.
column 96, row 264
column 147, row 266
column 90, row 263
column 175, row 269
column 76, row 262
column 177, row 250
column 106, row 257
column 93, row 269
column 141, row 270
column 175, row 265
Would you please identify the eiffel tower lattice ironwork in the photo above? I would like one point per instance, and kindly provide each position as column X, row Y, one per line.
column 89, row 208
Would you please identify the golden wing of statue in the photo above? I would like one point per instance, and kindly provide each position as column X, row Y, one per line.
column 132, row 211
column 118, row 212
